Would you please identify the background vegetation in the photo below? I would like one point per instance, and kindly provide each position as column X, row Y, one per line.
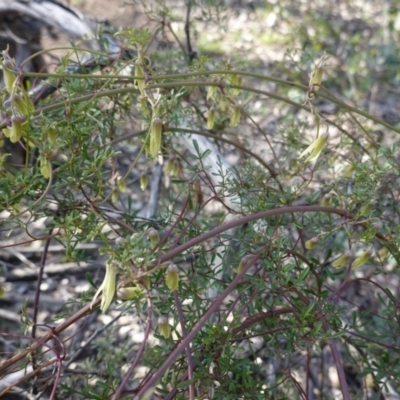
column 214, row 213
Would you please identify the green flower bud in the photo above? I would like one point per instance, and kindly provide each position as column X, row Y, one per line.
column 211, row 118
column 361, row 259
column 343, row 260
column 326, row 200
column 9, row 76
column 16, row 127
column 257, row 238
column 243, row 262
column 370, row 382
column 348, row 171
column 172, row 167
column 224, row 105
column 317, row 73
column 155, row 136
column 237, row 81
column 235, row 118
column 139, row 74
column 122, row 185
column 153, row 235
column 212, row 92
column 45, row 168
column 145, row 281
column 143, row 182
column 172, row 277
column 52, row 135
column 316, row 78
column 176, row 167
column 310, row 244
column 130, row 293
column 16, row 132
column 383, row 253
column 163, row 327
column 366, row 209
column 114, row 196
column 169, row 167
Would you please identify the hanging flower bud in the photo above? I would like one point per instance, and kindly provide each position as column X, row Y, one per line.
column 16, row 127
column 107, row 288
column 211, row 118
column 237, row 81
column 170, row 167
column 361, row 259
column 153, row 235
column 139, row 74
column 52, row 135
column 176, row 168
column 145, row 281
column 348, row 171
column 163, row 327
column 310, row 244
column 8, row 75
column 143, row 182
column 130, row 293
column 257, row 238
column 235, row 118
column 343, row 260
column 155, row 136
column 172, row 277
column 366, row 209
column 326, row 200
column 243, row 262
column 383, row 253
column 316, row 78
column 121, row 185
column 45, row 168
column 114, row 196
column 315, row 148
column 317, row 74
column 223, row 105
column 212, row 92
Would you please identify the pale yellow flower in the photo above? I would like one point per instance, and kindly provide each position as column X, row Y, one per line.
column 107, row 288
column 315, row 148
column 362, row 259
column 164, row 327
column 172, row 277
